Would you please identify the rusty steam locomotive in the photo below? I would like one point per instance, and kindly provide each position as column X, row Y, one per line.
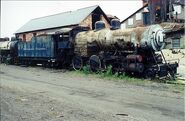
column 133, row 51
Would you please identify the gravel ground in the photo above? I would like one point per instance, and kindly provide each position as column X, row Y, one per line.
column 38, row 94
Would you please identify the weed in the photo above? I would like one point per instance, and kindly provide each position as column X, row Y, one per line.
column 176, row 87
column 86, row 70
column 122, row 77
column 109, row 72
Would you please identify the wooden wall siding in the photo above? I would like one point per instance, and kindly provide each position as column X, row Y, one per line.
column 169, row 42
column 183, row 41
column 136, row 23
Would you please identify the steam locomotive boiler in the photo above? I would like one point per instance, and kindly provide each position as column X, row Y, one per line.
column 132, row 51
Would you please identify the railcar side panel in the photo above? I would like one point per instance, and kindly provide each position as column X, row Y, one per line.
column 39, row 47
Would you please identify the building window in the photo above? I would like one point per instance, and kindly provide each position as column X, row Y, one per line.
column 130, row 21
column 177, row 9
column 123, row 26
column 24, row 37
column 138, row 16
column 176, row 43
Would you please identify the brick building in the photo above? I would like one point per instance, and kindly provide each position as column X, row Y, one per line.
column 82, row 17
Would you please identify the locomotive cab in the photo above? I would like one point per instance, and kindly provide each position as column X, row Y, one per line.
column 63, row 45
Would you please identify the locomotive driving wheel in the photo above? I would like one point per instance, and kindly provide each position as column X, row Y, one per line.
column 95, row 63
column 77, row 62
column 149, row 74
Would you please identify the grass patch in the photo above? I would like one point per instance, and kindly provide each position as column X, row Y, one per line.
column 173, row 86
column 109, row 75
column 177, row 88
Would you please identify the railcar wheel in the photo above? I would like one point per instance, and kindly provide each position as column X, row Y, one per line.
column 77, row 63
column 95, row 63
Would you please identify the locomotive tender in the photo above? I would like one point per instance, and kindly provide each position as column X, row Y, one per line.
column 131, row 51
column 51, row 49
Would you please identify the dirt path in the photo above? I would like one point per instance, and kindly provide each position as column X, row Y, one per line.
column 36, row 94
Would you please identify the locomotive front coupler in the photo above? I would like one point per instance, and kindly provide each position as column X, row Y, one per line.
column 171, row 67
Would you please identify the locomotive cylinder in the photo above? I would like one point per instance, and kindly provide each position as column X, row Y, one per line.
column 138, row 58
column 151, row 37
column 135, row 67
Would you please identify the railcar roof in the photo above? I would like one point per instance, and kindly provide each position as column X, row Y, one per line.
column 57, row 20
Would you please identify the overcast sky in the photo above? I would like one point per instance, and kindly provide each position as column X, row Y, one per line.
column 15, row 14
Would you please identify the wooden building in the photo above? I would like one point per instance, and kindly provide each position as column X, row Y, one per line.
column 166, row 12
column 175, row 37
column 156, row 11
column 82, row 17
column 135, row 19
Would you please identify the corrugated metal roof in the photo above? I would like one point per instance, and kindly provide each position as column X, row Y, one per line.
column 57, row 20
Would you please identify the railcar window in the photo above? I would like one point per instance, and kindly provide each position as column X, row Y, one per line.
column 64, row 37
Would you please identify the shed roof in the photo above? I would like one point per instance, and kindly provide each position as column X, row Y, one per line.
column 172, row 27
column 57, row 20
